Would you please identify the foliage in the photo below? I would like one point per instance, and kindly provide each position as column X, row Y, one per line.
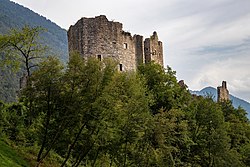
column 90, row 114
column 20, row 50
column 22, row 46
column 167, row 93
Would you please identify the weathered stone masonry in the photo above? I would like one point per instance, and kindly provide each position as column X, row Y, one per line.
column 102, row 38
column 223, row 93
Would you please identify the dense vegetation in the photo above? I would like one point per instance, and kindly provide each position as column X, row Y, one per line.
column 16, row 16
column 89, row 114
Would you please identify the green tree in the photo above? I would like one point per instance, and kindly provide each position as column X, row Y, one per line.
column 43, row 94
column 209, row 133
column 84, row 86
column 171, row 140
column 238, row 131
column 162, row 84
column 129, row 107
column 110, row 114
column 14, row 126
column 22, row 47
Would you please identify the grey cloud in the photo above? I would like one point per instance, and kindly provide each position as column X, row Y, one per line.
column 232, row 49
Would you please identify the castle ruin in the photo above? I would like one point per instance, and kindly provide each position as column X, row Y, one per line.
column 223, row 93
column 98, row 37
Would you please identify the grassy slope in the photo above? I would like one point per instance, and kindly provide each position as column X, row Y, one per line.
column 9, row 157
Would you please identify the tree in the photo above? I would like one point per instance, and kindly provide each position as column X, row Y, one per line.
column 84, row 84
column 208, row 131
column 162, row 84
column 43, row 94
column 127, row 106
column 109, row 114
column 238, row 131
column 14, row 126
column 22, row 47
column 171, row 139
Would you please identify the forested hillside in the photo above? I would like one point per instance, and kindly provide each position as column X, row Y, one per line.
column 13, row 15
column 90, row 114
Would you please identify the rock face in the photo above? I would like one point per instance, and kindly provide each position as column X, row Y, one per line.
column 223, row 93
column 98, row 37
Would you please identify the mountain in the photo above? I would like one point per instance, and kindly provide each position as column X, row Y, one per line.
column 13, row 15
column 210, row 91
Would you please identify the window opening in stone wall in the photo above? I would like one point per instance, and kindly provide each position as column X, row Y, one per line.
column 99, row 57
column 125, row 46
column 120, row 67
column 154, row 52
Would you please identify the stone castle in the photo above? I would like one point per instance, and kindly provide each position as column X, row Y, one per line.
column 98, row 37
column 223, row 93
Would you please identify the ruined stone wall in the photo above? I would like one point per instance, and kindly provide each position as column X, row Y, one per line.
column 98, row 37
column 223, row 93
column 102, row 38
column 153, row 49
column 139, row 49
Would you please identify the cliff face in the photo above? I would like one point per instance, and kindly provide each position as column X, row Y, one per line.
column 102, row 38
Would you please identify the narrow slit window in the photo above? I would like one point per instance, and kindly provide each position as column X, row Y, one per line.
column 125, row 46
column 120, row 67
column 99, row 57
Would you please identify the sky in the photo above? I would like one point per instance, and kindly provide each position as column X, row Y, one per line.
column 205, row 41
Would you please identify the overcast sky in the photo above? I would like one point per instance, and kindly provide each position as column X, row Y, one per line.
column 205, row 41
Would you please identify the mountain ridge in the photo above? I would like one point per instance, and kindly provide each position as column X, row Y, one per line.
column 14, row 15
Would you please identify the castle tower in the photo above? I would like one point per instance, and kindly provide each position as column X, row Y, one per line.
column 153, row 49
column 223, row 93
column 98, row 37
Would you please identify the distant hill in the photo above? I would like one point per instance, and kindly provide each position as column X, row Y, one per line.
column 13, row 15
column 236, row 101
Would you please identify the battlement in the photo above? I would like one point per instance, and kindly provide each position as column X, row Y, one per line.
column 101, row 38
